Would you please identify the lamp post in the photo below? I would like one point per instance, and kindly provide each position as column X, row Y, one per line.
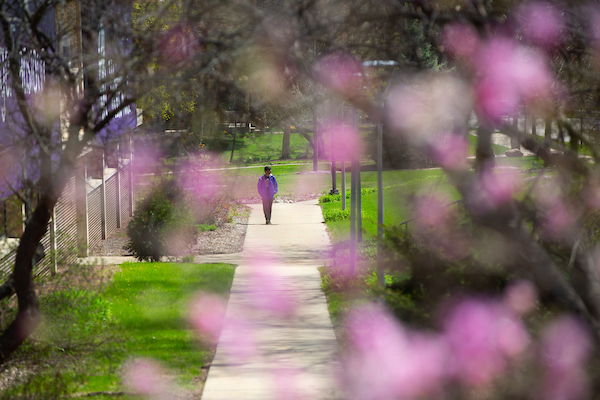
column 380, row 220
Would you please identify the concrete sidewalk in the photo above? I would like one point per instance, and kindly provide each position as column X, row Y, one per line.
column 296, row 357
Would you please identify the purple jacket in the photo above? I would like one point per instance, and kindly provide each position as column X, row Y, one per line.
column 262, row 188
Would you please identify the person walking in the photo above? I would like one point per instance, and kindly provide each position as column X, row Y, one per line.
column 267, row 187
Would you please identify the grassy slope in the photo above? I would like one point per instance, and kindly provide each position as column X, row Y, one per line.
column 398, row 186
column 150, row 302
column 88, row 334
column 267, row 148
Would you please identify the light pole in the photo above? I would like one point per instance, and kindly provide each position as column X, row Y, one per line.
column 380, row 221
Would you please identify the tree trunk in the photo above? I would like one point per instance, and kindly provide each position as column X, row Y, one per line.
column 28, row 316
column 484, row 154
column 514, row 143
column 285, row 147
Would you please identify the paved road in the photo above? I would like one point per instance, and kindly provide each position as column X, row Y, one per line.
column 295, row 343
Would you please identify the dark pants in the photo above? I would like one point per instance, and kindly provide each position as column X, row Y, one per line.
column 267, row 206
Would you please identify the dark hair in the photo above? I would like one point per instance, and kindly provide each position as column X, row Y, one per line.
column 267, row 168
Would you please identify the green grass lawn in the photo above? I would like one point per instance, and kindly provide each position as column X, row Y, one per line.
column 398, row 187
column 89, row 334
column 266, row 147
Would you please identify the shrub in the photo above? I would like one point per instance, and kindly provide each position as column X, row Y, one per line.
column 336, row 215
column 161, row 225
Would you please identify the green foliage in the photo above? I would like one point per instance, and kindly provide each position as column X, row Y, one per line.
column 161, row 225
column 206, row 228
column 336, row 214
column 329, row 198
column 188, row 258
column 90, row 329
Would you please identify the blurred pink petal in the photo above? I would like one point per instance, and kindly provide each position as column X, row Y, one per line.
column 566, row 345
column 495, row 98
column 541, row 23
column 237, row 341
column 461, row 40
column 388, row 362
column 288, row 384
column 450, row 151
column 520, row 297
column 206, row 314
column 406, row 108
column 431, row 212
column 145, row 377
column 341, row 139
column 559, row 219
column 483, row 336
column 340, row 72
column 270, row 291
column 493, row 189
column 508, row 74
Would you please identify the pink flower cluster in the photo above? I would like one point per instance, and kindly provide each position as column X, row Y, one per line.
column 480, row 340
column 507, row 72
column 341, row 140
column 566, row 345
column 340, row 72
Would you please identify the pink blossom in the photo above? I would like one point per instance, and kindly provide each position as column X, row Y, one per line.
column 341, row 140
column 566, row 345
column 268, row 289
column 495, row 97
column 541, row 23
column 450, row 151
column 483, row 336
column 237, row 340
column 145, row 377
column 206, row 314
column 386, row 361
column 288, row 385
column 427, row 106
column 559, row 220
column 461, row 40
column 520, row 297
column 406, row 108
column 493, row 189
column 193, row 176
column 431, row 212
column 340, row 72
column 508, row 74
